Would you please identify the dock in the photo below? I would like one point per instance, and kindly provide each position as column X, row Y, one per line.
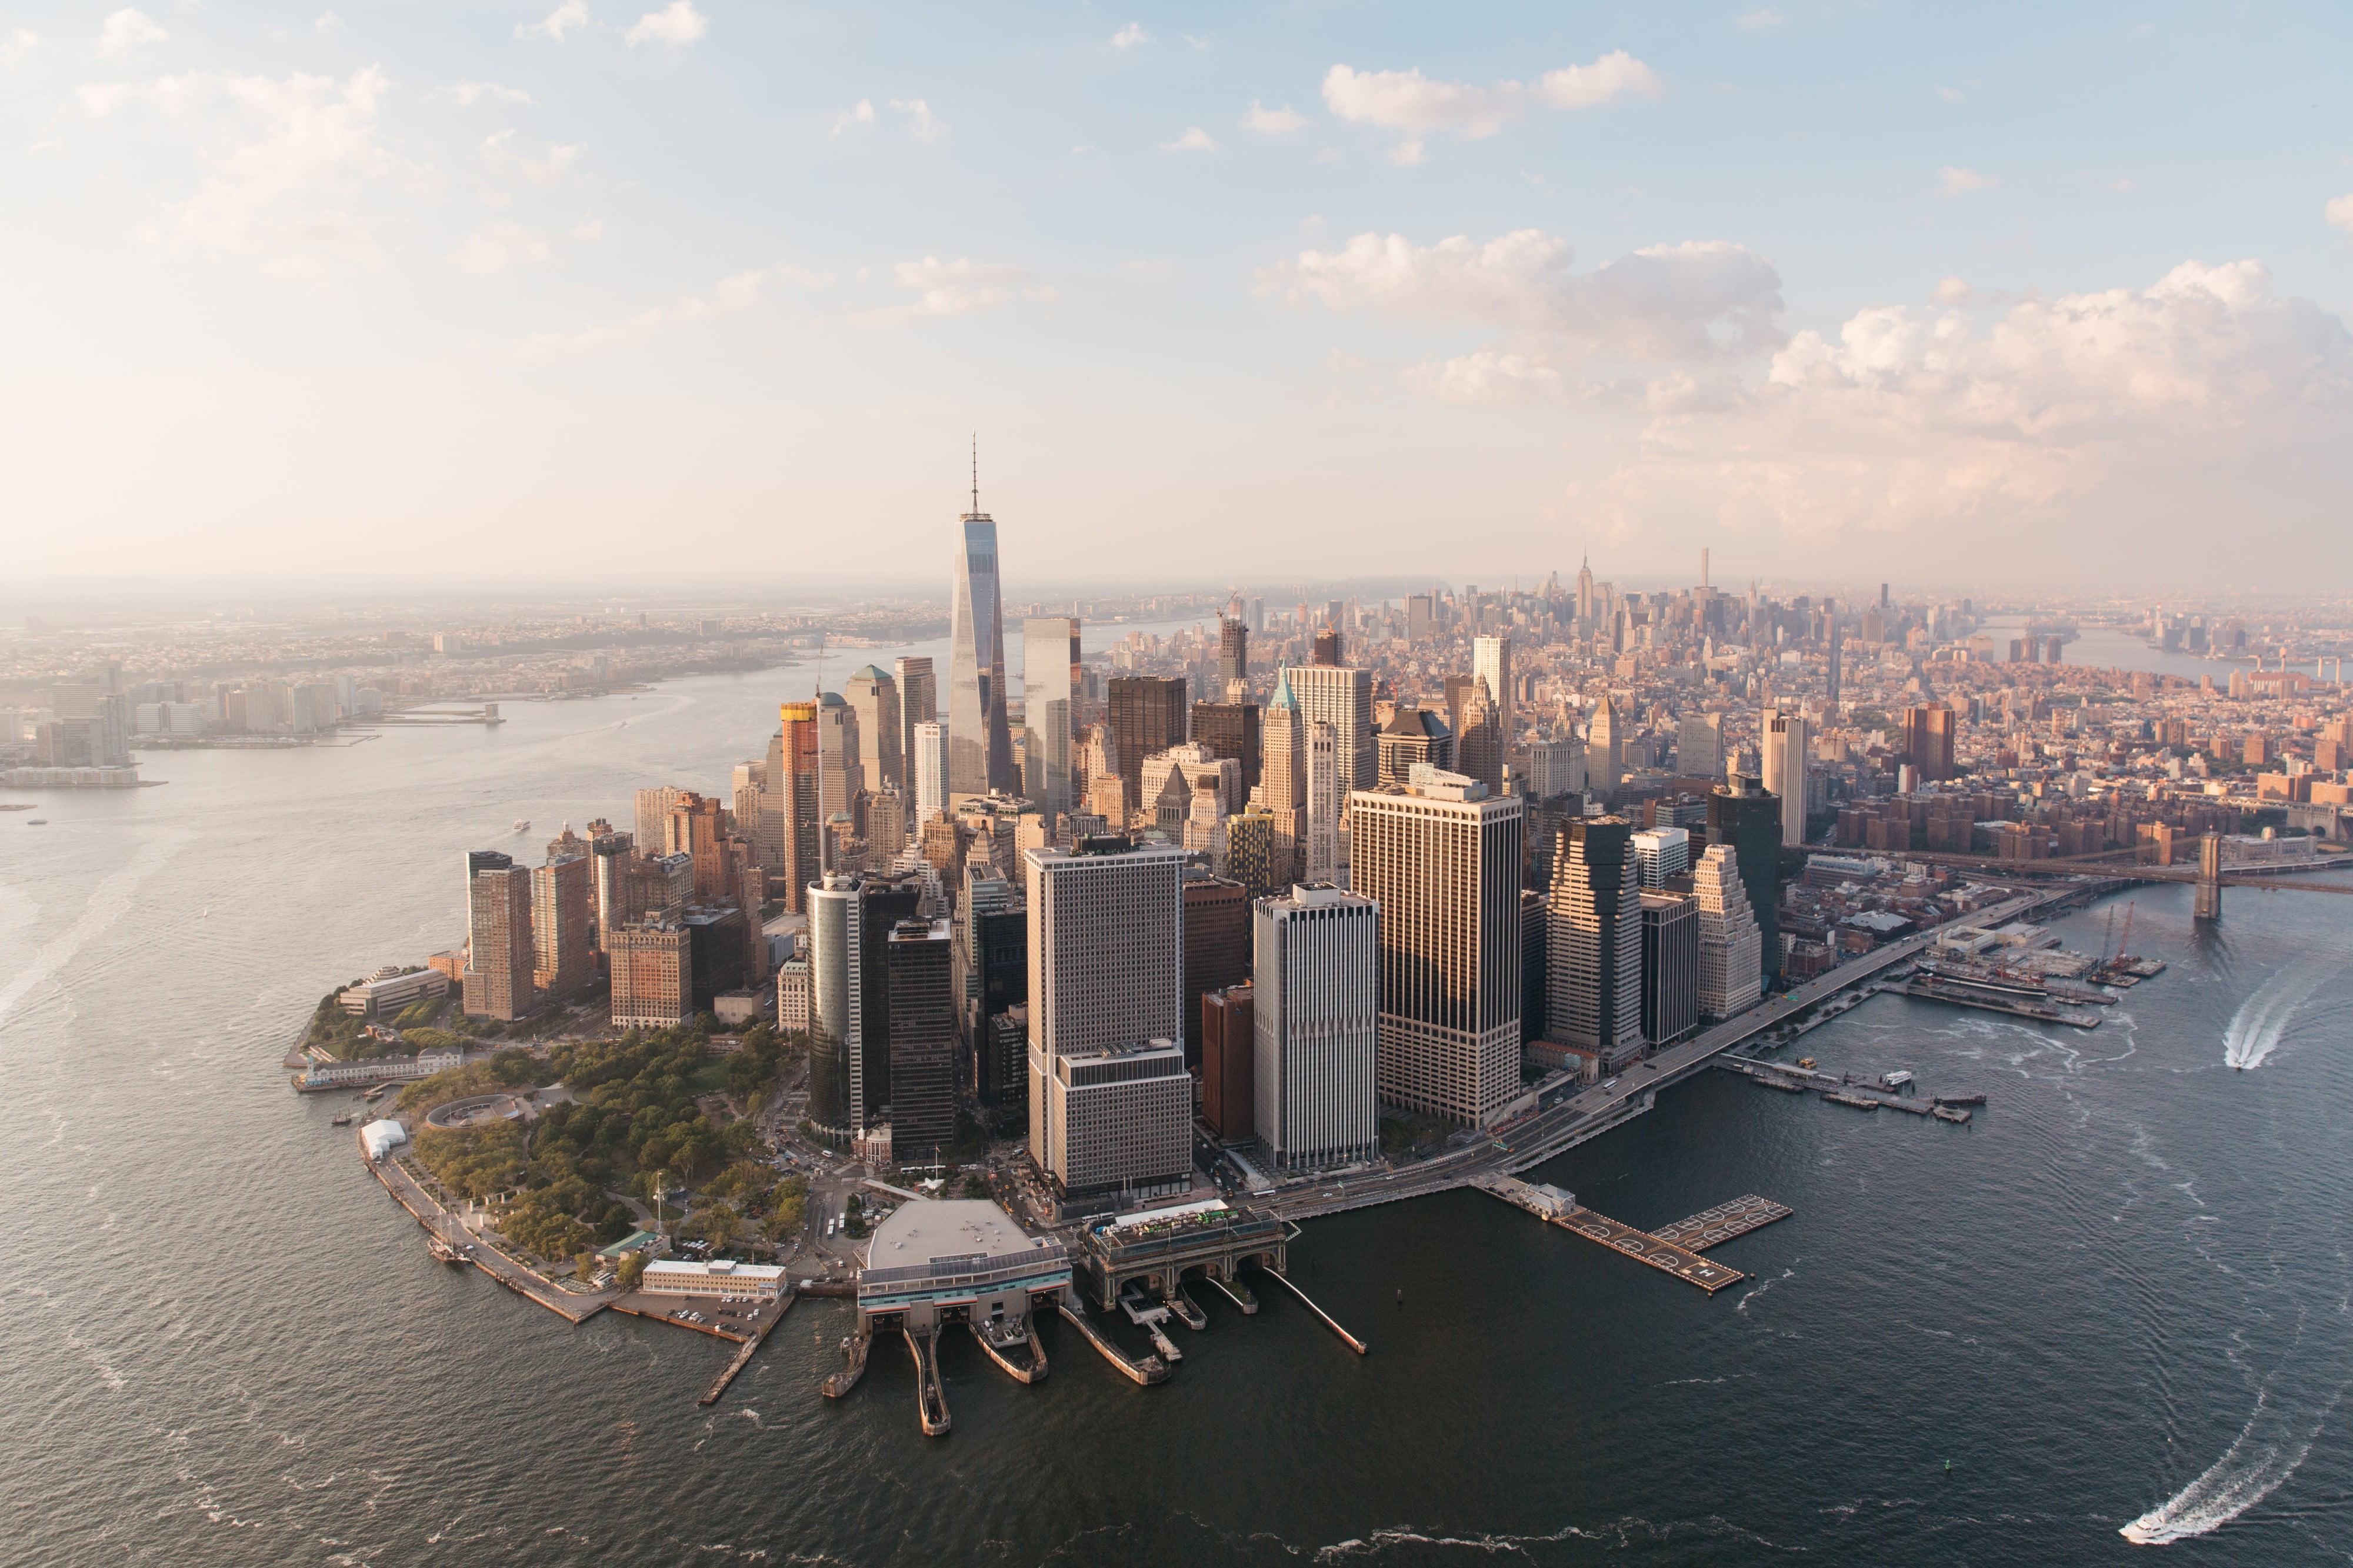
column 742, row 1357
column 1150, row 1370
column 1845, row 1090
column 2016, row 1001
column 438, row 1223
column 1713, row 1226
column 1678, row 1258
column 854, row 1349
column 1035, row 1372
column 1330, row 1323
column 1238, row 1293
column 931, row 1392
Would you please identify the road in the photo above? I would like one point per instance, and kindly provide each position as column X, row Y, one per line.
column 1569, row 1119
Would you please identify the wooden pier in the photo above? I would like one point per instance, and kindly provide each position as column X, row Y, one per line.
column 1330, row 1323
column 744, row 1356
column 1150, row 1370
column 1679, row 1260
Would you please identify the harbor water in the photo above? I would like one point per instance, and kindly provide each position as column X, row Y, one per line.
column 2107, row 1318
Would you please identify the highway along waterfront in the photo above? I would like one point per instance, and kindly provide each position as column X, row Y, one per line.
column 2113, row 1300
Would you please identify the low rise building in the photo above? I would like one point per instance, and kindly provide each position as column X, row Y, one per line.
column 389, row 989
column 720, row 1277
column 956, row 1260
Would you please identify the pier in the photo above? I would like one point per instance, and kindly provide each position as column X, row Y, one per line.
column 1844, row 1089
column 1150, row 1370
column 1330, row 1323
column 997, row 1344
column 931, row 1393
column 854, row 1350
column 1680, row 1258
column 2018, row 1001
column 750, row 1346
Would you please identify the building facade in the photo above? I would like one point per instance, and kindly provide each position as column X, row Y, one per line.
column 1669, row 966
column 1593, row 957
column 1316, row 1092
column 1730, row 968
column 500, row 952
column 980, row 746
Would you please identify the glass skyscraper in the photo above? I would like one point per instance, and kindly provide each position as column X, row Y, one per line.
column 980, row 747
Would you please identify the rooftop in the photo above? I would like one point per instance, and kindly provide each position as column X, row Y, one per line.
column 946, row 1228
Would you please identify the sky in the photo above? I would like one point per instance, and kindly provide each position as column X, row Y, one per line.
column 551, row 288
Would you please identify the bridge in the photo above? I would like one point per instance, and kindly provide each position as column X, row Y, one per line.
column 2209, row 876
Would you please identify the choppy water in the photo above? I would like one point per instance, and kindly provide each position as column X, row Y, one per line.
column 2119, row 1300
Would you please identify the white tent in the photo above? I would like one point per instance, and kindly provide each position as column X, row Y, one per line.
column 380, row 1137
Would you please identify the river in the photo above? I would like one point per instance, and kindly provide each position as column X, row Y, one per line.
column 2120, row 1292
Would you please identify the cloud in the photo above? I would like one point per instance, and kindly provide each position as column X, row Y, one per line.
column 18, row 45
column 546, row 172
column 328, row 22
column 959, row 288
column 1698, row 300
column 1267, row 121
column 492, row 250
column 1961, row 181
column 1410, row 103
column 466, row 94
column 677, row 24
column 126, row 30
column 1760, row 20
column 1950, row 94
column 860, row 113
column 1954, row 292
column 1194, row 140
column 2204, row 395
column 1127, row 37
column 2338, row 213
column 568, row 17
column 737, row 292
column 920, row 123
column 285, row 157
column 588, row 230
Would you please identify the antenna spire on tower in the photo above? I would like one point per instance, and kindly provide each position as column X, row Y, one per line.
column 975, row 473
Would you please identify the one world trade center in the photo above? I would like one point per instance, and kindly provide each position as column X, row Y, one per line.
column 980, row 743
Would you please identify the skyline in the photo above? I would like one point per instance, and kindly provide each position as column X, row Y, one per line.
column 515, row 292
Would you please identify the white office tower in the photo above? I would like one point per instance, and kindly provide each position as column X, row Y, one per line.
column 837, row 907
column 930, row 765
column 1441, row 858
column 1783, row 737
column 1491, row 661
column 1555, row 767
column 1661, row 852
column 1327, row 789
column 1344, row 699
column 1111, row 1102
column 1699, row 746
column 1730, row 949
column 1317, row 966
column 1049, row 664
column 1593, row 946
column 980, row 747
column 1282, row 777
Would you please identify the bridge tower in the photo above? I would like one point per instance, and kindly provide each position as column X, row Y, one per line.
column 2210, row 877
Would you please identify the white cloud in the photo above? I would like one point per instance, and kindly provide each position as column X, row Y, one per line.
column 1760, row 20
column 550, row 170
column 860, row 113
column 491, row 251
column 126, row 30
column 1410, row 103
column 1954, row 292
column 1194, row 140
column 729, row 294
column 2338, row 213
column 328, row 22
column 588, row 230
column 1267, row 121
column 1696, row 301
column 2204, row 391
column 921, row 123
column 285, row 157
column 677, row 24
column 1127, row 37
column 568, row 17
column 18, row 45
column 1961, row 181
column 1950, row 94
column 959, row 288
column 466, row 94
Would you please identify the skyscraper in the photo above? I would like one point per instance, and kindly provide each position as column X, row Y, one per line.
column 1050, row 674
column 1781, row 742
column 1605, row 748
column 1730, row 970
column 1928, row 741
column 1441, row 858
column 1593, row 957
column 931, row 770
column 1662, row 853
column 1315, row 1090
column 1217, row 921
column 1669, row 966
column 1745, row 816
column 874, row 695
column 1234, row 659
column 922, row 1040
column 1147, row 717
column 1413, row 737
column 1231, row 730
column 837, row 1000
column 1282, row 777
column 1699, row 746
column 1227, row 1068
column 842, row 769
column 918, row 704
column 1831, row 662
column 499, row 956
column 790, row 822
column 561, row 889
column 980, row 747
column 1491, row 662
column 1320, row 853
column 1342, row 697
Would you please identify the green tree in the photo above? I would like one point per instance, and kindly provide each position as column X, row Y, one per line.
column 631, row 1268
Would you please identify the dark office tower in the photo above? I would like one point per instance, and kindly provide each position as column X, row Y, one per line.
column 1233, row 657
column 1747, row 816
column 561, row 962
column 1593, row 954
column 1147, row 717
column 919, row 703
column 1328, row 648
column 923, row 1040
column 980, row 746
column 1251, row 851
column 1227, row 1066
column 1414, row 735
column 1535, row 931
column 497, row 979
column 1217, row 947
column 874, row 697
column 1928, row 743
column 1669, row 966
column 1231, row 729
column 1831, row 669
column 1883, row 596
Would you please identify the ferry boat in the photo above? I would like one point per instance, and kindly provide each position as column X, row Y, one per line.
column 345, row 1120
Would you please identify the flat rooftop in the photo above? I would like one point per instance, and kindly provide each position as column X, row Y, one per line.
column 958, row 1228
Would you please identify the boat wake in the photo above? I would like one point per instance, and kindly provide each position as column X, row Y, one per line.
column 2257, row 1028
column 2264, row 1454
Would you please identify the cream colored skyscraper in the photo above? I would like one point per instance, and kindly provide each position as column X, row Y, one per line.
column 1343, row 699
column 1322, row 855
column 1050, row 666
column 1282, row 777
column 1441, row 858
column 1782, row 742
column 1730, row 947
column 1605, row 751
column 1491, row 661
column 874, row 697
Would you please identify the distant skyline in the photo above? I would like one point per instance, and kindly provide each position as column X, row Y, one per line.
column 575, row 289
